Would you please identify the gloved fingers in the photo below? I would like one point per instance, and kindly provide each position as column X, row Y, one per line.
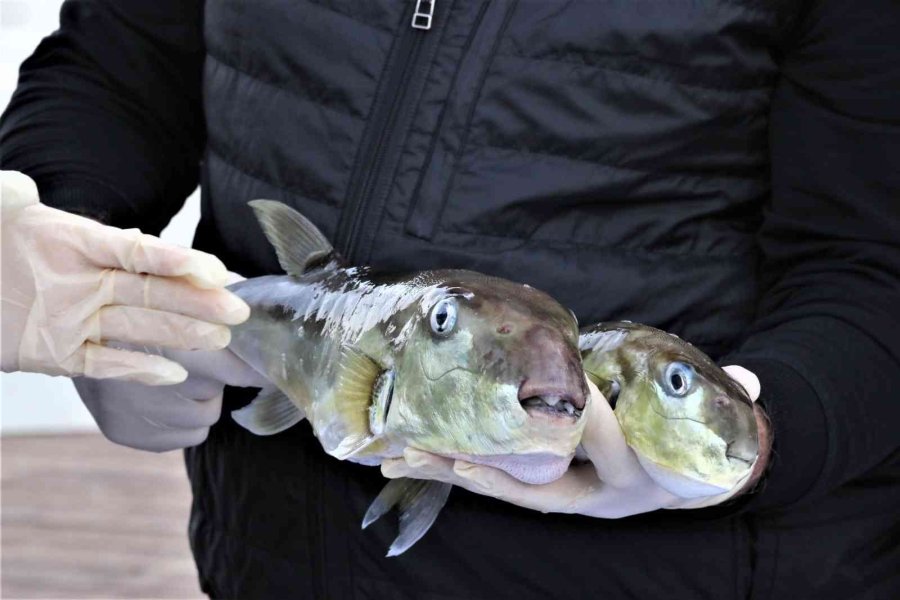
column 209, row 411
column 159, row 440
column 567, row 494
column 419, row 465
column 198, row 388
column 746, row 378
column 578, row 491
column 180, row 411
column 195, row 403
column 607, row 502
column 219, row 365
column 17, row 190
column 234, row 278
column 145, row 435
column 120, row 410
column 131, row 250
column 136, row 325
column 571, row 493
column 705, row 501
column 605, row 445
column 102, row 362
column 175, row 295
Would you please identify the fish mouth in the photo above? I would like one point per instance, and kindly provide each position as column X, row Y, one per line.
column 536, row 469
column 747, row 456
column 553, row 403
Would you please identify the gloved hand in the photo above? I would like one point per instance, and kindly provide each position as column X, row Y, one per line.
column 611, row 486
column 70, row 284
column 162, row 418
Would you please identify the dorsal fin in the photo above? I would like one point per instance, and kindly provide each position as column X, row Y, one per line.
column 298, row 243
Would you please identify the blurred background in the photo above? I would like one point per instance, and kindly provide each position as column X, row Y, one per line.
column 79, row 516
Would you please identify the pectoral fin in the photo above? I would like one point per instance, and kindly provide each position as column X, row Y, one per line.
column 418, row 501
column 357, row 380
column 269, row 413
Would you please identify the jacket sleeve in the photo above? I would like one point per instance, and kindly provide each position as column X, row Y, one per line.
column 826, row 341
column 107, row 115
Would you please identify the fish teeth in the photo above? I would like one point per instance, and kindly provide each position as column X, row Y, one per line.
column 555, row 403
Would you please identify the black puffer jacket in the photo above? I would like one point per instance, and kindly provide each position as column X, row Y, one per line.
column 727, row 170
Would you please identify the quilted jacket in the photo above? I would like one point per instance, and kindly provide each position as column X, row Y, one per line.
column 723, row 169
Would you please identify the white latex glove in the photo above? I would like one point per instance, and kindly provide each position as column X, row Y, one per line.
column 162, row 418
column 70, row 284
column 611, row 486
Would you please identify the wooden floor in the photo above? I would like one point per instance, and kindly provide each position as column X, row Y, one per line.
column 83, row 518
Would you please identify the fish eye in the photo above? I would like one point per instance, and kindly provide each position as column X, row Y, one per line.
column 443, row 316
column 613, row 395
column 678, row 378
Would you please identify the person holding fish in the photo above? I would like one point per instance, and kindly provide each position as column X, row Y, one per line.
column 72, row 288
column 420, row 171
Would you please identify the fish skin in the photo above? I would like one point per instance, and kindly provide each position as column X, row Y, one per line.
column 452, row 362
column 700, row 443
column 453, row 396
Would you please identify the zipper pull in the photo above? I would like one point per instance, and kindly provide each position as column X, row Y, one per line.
column 423, row 14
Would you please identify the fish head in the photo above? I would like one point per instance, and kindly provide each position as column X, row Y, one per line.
column 691, row 425
column 490, row 372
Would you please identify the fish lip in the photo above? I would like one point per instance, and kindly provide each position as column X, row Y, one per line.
column 532, row 468
column 551, row 401
column 552, row 415
column 552, row 405
column 744, row 458
column 746, row 461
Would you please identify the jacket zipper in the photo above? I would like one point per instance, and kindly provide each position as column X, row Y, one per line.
column 389, row 109
column 423, row 14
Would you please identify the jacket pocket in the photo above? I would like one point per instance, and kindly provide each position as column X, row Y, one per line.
column 450, row 139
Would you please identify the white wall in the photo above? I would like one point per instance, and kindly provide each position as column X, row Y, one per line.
column 32, row 403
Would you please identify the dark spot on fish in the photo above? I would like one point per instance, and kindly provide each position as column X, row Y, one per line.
column 280, row 312
column 324, row 260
